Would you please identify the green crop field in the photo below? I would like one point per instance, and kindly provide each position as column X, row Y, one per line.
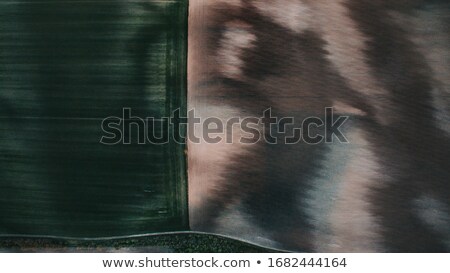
column 64, row 67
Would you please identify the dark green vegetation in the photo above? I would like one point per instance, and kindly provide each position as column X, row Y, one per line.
column 64, row 67
column 190, row 243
